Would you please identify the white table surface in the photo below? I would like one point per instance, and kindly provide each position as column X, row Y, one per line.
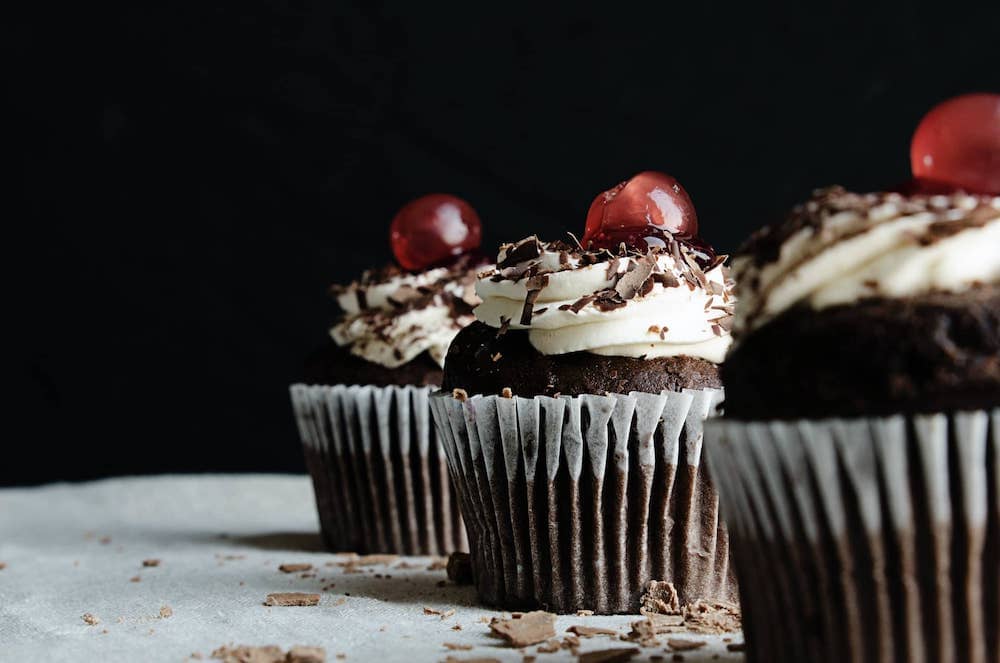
column 71, row 549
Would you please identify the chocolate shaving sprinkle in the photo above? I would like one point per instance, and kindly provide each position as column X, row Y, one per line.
column 539, row 311
column 504, row 326
column 612, row 270
column 578, row 305
column 633, row 279
column 527, row 249
column 529, row 301
column 667, row 280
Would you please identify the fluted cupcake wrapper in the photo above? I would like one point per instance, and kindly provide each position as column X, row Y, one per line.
column 578, row 502
column 378, row 470
column 870, row 539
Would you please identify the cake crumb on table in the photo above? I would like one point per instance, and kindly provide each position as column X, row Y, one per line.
column 150, row 562
column 90, row 619
column 294, row 568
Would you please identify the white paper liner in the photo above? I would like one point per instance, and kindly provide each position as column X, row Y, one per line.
column 577, row 502
column 868, row 539
column 378, row 470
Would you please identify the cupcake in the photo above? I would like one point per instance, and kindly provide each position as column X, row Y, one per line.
column 572, row 411
column 378, row 471
column 859, row 457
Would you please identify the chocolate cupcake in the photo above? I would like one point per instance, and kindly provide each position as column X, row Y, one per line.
column 377, row 466
column 572, row 411
column 858, row 456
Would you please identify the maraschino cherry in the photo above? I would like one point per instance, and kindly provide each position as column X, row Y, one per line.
column 643, row 212
column 957, row 144
column 433, row 229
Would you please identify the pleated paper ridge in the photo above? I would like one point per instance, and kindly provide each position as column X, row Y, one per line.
column 865, row 539
column 577, row 502
column 378, row 470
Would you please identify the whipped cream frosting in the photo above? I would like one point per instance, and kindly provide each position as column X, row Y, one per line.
column 391, row 316
column 657, row 304
column 841, row 247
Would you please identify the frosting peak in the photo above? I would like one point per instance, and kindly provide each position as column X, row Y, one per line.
column 626, row 303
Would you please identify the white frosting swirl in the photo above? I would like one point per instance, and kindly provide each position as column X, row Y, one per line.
column 392, row 321
column 855, row 246
column 678, row 315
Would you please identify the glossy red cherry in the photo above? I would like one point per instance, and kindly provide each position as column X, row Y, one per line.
column 434, row 229
column 639, row 212
column 958, row 143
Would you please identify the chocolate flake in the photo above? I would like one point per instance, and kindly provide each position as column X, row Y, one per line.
column 504, row 326
column 615, row 655
column 294, row 568
column 534, row 285
column 666, row 279
column 590, row 631
column 527, row 249
column 578, row 305
column 682, row 644
column 291, row 599
column 150, row 562
column 528, row 629
column 632, row 280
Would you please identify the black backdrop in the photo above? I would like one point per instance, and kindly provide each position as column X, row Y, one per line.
column 184, row 228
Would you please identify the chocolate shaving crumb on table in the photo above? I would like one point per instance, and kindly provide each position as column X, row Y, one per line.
column 590, row 631
column 527, row 629
column 268, row 654
column 294, row 568
column 291, row 599
column 150, row 562
column 615, row 655
column 682, row 644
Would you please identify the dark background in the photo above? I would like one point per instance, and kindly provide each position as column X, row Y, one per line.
column 194, row 179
